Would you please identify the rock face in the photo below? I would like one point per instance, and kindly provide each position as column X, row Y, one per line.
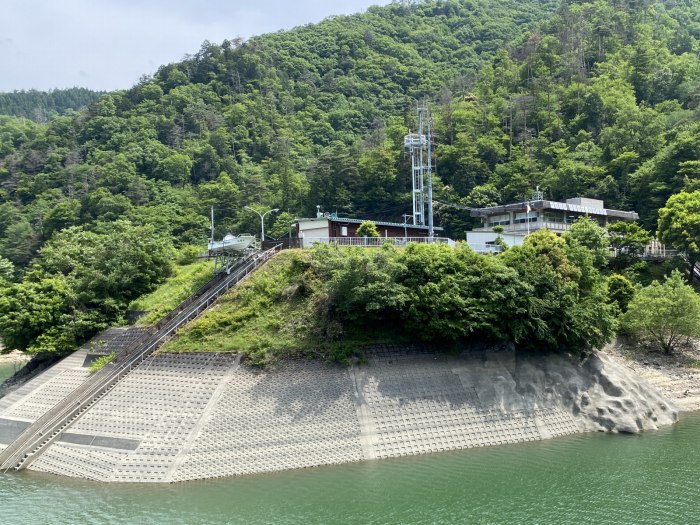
column 181, row 417
column 600, row 394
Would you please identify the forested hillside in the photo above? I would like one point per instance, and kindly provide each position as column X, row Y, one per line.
column 597, row 98
column 40, row 106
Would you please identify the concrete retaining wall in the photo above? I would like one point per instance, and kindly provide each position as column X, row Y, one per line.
column 194, row 416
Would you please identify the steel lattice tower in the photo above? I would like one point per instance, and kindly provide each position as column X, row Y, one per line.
column 419, row 144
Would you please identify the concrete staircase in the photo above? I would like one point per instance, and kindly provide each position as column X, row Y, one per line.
column 51, row 425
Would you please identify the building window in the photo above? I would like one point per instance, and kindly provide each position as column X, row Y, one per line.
column 522, row 217
column 554, row 216
column 343, row 231
column 499, row 220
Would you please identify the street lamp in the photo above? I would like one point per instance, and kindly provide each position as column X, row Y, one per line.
column 290, row 233
column 262, row 220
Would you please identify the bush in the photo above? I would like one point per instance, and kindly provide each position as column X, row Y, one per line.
column 665, row 313
column 99, row 363
column 621, row 291
column 367, row 229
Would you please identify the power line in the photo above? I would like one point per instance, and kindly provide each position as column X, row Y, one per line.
column 453, row 205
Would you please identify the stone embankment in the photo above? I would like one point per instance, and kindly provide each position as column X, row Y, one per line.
column 194, row 416
column 676, row 376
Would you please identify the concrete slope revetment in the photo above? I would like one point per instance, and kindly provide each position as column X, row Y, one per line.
column 69, row 404
column 181, row 417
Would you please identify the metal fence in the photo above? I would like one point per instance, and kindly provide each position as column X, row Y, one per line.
column 485, row 248
column 373, row 242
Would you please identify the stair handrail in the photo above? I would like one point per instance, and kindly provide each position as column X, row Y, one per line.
column 113, row 375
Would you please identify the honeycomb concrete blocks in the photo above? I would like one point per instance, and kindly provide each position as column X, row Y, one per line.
column 416, row 401
column 183, row 417
column 302, row 414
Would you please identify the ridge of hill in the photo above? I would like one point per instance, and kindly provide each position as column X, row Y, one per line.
column 596, row 98
column 40, row 106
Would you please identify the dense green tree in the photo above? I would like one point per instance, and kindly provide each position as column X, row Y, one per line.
column 558, row 309
column 42, row 105
column 29, row 308
column 666, row 313
column 587, row 233
column 367, row 229
column 621, row 291
column 679, row 225
column 531, row 295
column 628, row 238
column 81, row 281
column 7, row 271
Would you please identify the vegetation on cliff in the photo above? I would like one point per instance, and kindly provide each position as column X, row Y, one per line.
column 330, row 301
column 596, row 98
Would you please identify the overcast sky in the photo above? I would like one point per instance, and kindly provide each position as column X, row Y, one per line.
column 109, row 44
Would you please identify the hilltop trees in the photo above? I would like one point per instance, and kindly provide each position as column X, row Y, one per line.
column 536, row 296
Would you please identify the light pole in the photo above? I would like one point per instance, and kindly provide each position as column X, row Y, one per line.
column 262, row 220
column 290, row 233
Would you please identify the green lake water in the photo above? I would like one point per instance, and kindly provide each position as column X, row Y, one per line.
column 652, row 478
column 8, row 369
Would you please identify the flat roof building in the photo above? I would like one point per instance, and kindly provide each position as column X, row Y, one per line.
column 327, row 227
column 520, row 218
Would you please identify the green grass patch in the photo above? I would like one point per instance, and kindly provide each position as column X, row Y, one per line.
column 99, row 363
column 186, row 279
column 278, row 313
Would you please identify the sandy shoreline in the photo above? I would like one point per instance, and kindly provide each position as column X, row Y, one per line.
column 14, row 357
column 676, row 376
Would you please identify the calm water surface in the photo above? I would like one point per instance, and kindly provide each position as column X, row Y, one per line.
column 7, row 369
column 589, row 479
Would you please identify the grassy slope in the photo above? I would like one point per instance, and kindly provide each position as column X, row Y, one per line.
column 271, row 315
column 185, row 280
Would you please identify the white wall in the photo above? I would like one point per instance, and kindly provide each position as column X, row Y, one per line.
column 310, row 230
column 479, row 240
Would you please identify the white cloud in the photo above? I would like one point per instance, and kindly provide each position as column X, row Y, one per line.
column 109, row 44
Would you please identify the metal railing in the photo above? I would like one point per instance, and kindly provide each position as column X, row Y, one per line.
column 533, row 226
column 485, row 248
column 27, row 447
column 374, row 242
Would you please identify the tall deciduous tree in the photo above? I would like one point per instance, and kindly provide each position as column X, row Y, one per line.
column 666, row 313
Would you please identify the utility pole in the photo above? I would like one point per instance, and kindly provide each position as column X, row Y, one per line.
column 405, row 220
column 212, row 224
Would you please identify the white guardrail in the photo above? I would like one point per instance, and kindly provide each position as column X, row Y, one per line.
column 373, row 242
